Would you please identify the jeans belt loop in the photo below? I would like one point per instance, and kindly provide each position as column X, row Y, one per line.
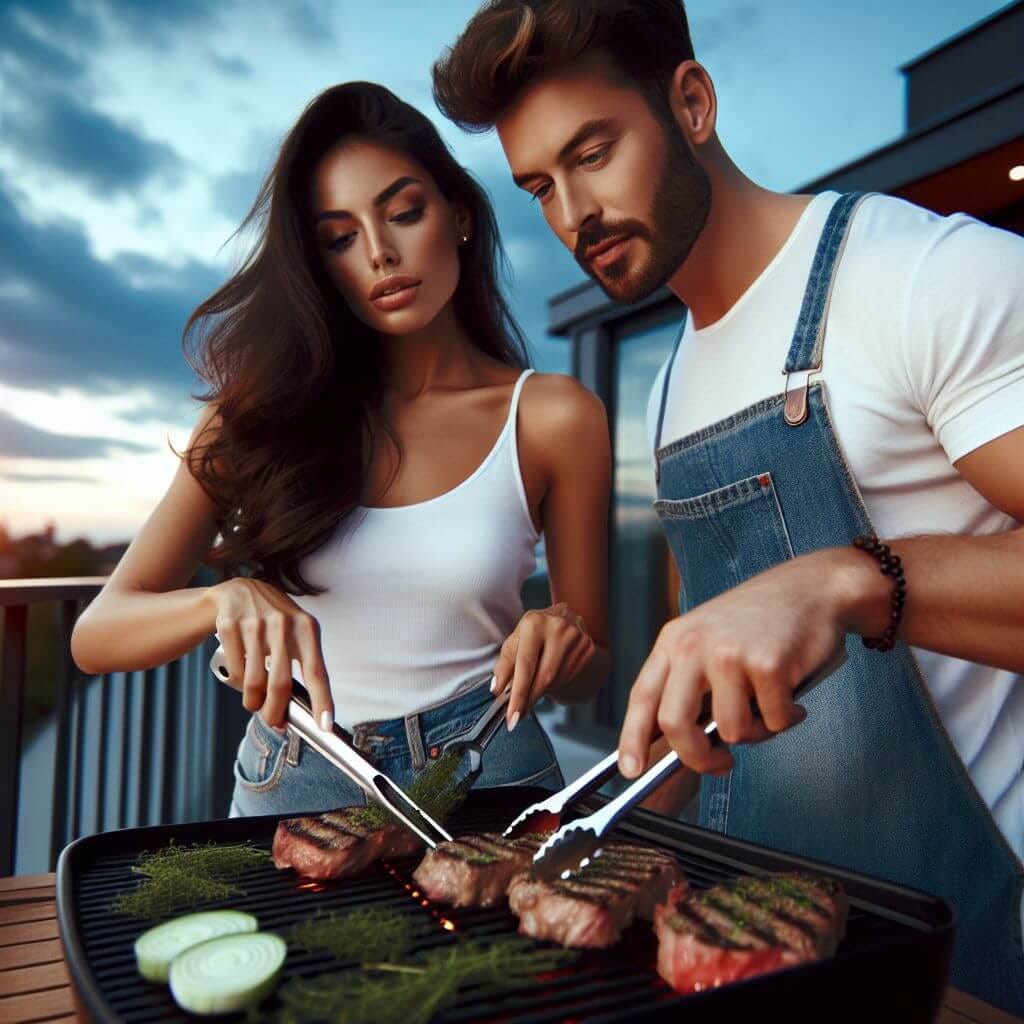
column 414, row 736
column 293, row 743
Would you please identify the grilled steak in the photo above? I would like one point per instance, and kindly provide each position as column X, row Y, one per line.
column 591, row 909
column 474, row 870
column 337, row 844
column 747, row 926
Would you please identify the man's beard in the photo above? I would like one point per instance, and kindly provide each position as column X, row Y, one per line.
column 682, row 201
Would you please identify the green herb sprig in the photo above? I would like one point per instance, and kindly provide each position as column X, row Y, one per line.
column 415, row 990
column 182, row 876
column 434, row 789
column 373, row 933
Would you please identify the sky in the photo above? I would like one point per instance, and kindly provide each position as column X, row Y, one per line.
column 134, row 136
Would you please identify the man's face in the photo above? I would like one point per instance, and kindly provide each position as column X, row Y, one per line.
column 620, row 189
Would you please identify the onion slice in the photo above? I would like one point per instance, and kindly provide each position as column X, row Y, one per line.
column 227, row 974
column 156, row 948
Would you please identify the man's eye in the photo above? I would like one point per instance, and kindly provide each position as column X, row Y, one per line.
column 341, row 242
column 541, row 192
column 595, row 156
column 409, row 216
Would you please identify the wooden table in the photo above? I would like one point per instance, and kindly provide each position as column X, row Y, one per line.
column 34, row 982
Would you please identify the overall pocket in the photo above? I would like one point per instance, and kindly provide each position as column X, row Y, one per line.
column 723, row 537
column 261, row 757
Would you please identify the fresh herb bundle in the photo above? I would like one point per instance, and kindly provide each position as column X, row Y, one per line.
column 182, row 876
column 415, row 990
column 434, row 789
column 373, row 933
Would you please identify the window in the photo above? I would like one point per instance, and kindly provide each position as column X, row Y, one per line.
column 643, row 584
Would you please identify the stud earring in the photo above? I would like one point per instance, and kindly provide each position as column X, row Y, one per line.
column 464, row 239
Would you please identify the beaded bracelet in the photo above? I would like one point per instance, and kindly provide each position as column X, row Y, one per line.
column 890, row 565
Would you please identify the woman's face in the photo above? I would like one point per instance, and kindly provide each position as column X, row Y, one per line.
column 387, row 237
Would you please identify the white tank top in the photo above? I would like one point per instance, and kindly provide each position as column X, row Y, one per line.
column 421, row 597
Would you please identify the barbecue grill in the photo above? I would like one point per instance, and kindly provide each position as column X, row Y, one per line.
column 892, row 965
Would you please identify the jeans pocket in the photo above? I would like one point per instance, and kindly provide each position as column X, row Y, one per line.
column 524, row 757
column 261, row 757
column 724, row 537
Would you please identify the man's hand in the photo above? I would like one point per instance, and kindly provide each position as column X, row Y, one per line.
column 546, row 650
column 758, row 640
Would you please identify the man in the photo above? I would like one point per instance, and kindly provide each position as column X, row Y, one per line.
column 901, row 414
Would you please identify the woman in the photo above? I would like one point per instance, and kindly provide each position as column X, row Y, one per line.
column 374, row 452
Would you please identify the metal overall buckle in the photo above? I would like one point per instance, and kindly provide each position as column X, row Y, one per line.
column 797, row 383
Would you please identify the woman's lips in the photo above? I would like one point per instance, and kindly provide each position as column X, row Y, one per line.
column 396, row 300
column 611, row 254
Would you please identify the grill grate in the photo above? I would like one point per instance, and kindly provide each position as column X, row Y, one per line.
column 891, row 930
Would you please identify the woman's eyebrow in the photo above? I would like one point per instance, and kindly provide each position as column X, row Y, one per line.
column 382, row 197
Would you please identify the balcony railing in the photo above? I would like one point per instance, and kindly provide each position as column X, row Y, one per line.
column 128, row 748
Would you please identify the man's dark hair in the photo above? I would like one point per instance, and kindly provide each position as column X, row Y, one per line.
column 508, row 44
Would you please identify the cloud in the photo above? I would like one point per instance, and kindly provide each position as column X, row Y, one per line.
column 48, row 478
column 233, row 67
column 234, row 192
column 69, row 319
column 20, row 440
column 56, row 131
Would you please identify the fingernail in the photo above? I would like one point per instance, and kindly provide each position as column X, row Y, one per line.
column 513, row 721
column 494, row 683
column 629, row 765
column 326, row 720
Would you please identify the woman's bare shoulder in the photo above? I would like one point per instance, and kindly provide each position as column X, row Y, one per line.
column 556, row 406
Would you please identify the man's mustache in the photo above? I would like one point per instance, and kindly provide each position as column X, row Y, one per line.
column 593, row 234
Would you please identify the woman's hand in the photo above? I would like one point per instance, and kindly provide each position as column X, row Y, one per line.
column 256, row 620
column 547, row 649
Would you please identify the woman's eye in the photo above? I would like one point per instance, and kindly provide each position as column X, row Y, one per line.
column 341, row 242
column 409, row 216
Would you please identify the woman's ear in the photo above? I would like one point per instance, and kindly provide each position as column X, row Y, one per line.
column 463, row 224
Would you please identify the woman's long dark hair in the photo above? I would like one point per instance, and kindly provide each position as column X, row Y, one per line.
column 295, row 376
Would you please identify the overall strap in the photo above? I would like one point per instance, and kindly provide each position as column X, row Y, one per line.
column 804, row 356
column 664, row 395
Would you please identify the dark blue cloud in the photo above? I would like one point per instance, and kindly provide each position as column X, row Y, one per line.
column 69, row 319
column 57, row 131
column 233, row 67
column 20, row 440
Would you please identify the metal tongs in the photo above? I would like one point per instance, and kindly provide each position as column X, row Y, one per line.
column 475, row 742
column 336, row 746
column 573, row 846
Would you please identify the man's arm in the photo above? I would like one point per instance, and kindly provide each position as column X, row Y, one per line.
column 965, row 598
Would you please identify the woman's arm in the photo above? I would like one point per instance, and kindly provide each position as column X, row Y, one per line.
column 565, row 458
column 145, row 615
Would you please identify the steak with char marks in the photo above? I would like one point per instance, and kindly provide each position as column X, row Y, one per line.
column 474, row 870
column 747, row 926
column 592, row 908
column 337, row 844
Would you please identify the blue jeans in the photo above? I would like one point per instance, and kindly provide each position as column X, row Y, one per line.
column 276, row 773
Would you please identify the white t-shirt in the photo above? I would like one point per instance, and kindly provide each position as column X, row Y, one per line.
column 923, row 362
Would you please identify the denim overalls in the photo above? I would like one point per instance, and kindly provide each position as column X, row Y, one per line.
column 870, row 781
column 276, row 773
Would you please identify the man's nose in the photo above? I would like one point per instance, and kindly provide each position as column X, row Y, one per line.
column 578, row 206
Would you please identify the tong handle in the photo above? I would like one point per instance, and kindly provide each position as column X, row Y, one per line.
column 590, row 781
column 486, row 726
